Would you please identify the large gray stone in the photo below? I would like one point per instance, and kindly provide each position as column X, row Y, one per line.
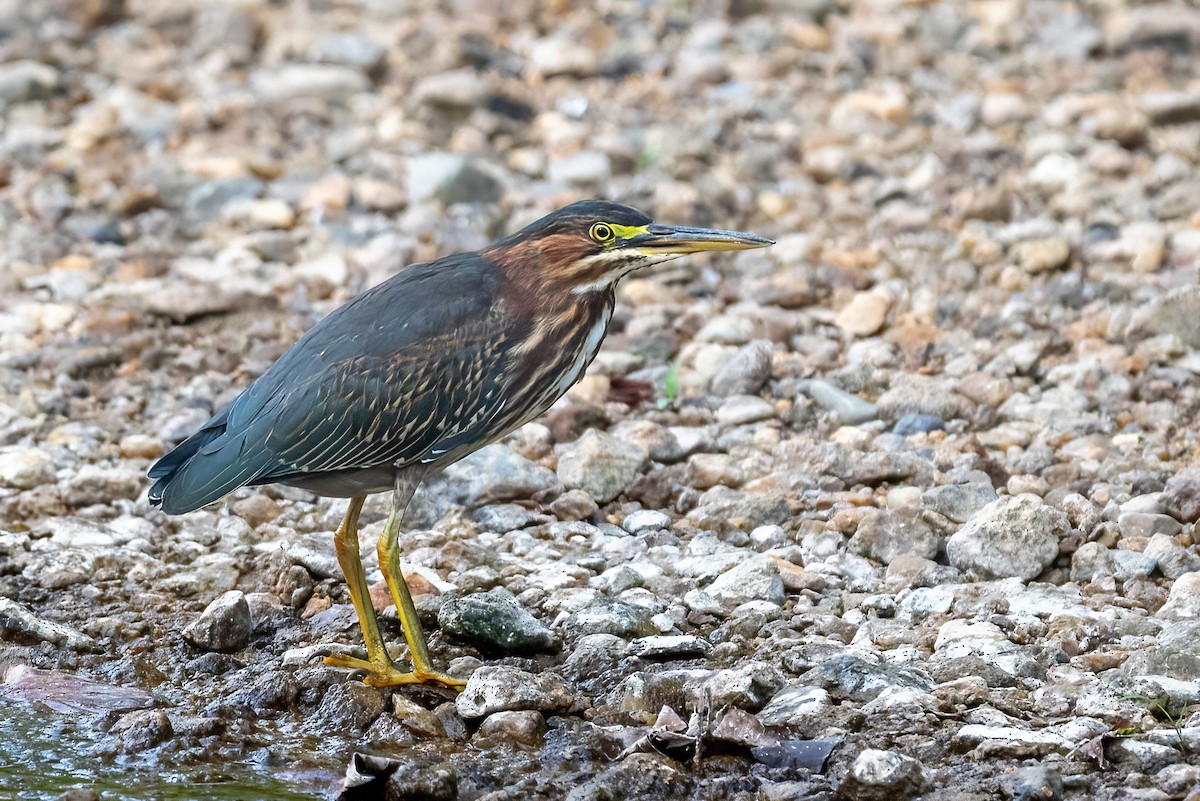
column 495, row 621
column 490, row 475
column 600, row 465
column 225, row 625
column 884, row 534
column 883, row 776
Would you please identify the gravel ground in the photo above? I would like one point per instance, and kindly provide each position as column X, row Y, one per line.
column 902, row 507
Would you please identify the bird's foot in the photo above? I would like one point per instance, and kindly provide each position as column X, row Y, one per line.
column 385, row 674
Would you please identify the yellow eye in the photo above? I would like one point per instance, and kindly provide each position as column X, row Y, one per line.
column 602, row 232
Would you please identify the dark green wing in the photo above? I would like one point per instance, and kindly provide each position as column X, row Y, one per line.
column 403, row 373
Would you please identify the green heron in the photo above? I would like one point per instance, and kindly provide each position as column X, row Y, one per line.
column 419, row 371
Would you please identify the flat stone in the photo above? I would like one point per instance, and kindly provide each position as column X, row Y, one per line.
column 23, row 80
column 1055, row 171
column 1174, row 313
column 645, row 520
column 64, row 692
column 329, row 82
column 1170, row 108
column 1143, row 757
column 349, row 49
column 1171, row 558
column 864, row 315
column 1052, row 739
column 1145, row 524
column 350, row 706
column 1183, row 493
column 660, row 443
column 492, row 474
column 18, row 624
column 683, row 646
column 722, row 506
column 522, row 726
column 423, row 723
column 427, row 172
column 562, row 55
column 741, row 728
column 912, row 393
column 594, row 656
column 505, row 517
column 583, row 168
column 612, row 616
column 743, row 409
column 494, row 688
column 1043, row 255
column 856, row 678
column 958, row 502
column 574, row 504
column 102, row 484
column 795, row 705
column 849, row 409
column 467, row 182
column 1033, row 782
column 457, row 90
column 1173, row 652
column 141, row 729
column 911, row 424
column 1092, row 560
column 883, row 534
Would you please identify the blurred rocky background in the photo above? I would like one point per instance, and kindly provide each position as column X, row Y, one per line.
column 901, row 507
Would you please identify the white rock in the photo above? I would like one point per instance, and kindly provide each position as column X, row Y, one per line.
column 645, row 520
column 742, row 409
column 1009, row 537
column 1184, row 601
column 25, row 468
column 1056, row 171
column 756, row 579
column 500, row 688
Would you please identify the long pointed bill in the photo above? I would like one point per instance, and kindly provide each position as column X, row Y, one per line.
column 661, row 240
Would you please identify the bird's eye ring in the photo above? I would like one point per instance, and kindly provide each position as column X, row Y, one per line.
column 602, row 232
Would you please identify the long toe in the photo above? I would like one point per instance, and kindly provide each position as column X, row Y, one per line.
column 347, row 661
column 393, row 678
column 388, row 675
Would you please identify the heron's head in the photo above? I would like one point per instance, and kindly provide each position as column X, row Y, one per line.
column 588, row 246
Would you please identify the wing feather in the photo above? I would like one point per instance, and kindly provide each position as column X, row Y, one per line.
column 378, row 381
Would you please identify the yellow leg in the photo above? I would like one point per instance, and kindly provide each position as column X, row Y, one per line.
column 381, row 671
column 389, row 563
column 345, row 542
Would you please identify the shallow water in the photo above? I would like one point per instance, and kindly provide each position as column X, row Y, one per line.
column 43, row 754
